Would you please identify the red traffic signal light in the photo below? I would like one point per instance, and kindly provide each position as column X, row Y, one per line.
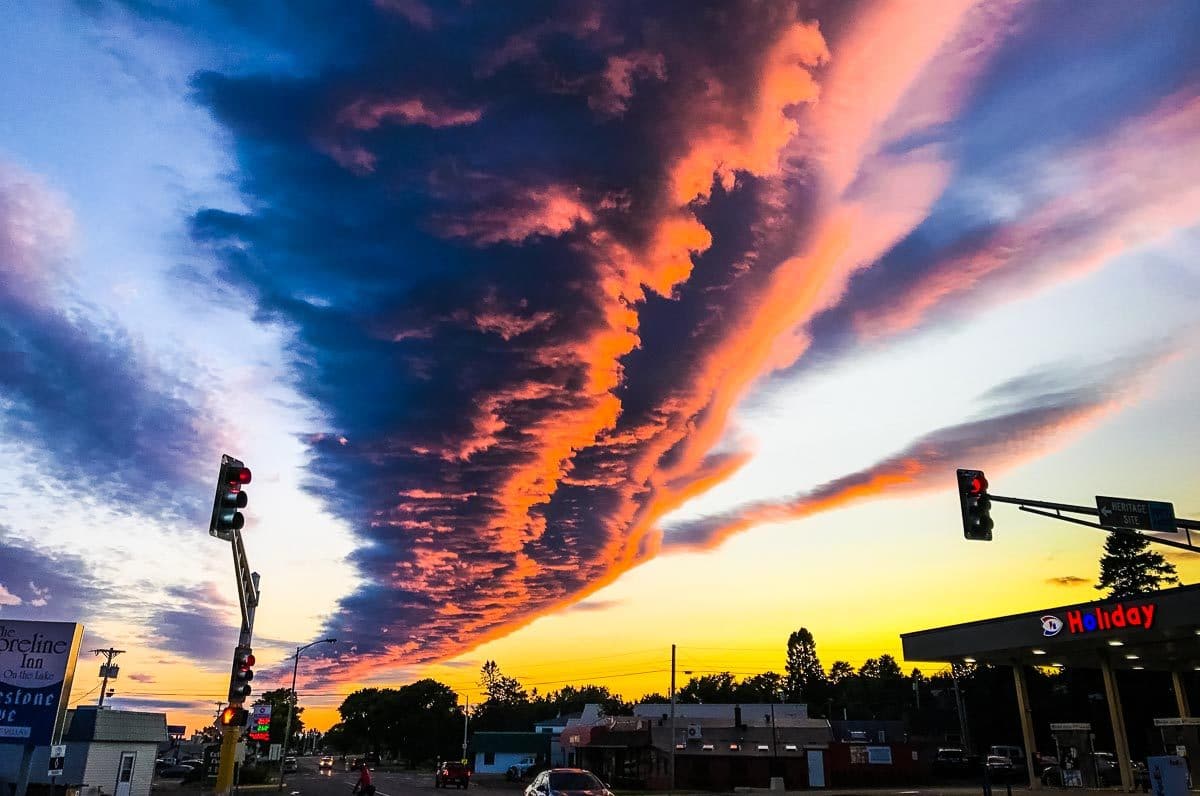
column 242, row 674
column 226, row 517
column 975, row 506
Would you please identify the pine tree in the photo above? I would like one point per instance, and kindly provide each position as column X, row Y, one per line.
column 1129, row 568
column 805, row 677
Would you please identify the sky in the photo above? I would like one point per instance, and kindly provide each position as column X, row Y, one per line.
column 559, row 333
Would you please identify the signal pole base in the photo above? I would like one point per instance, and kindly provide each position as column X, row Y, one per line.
column 229, row 742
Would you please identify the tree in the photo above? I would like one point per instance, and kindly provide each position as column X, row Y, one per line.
column 709, row 688
column 882, row 668
column 765, row 687
column 1129, row 568
column 805, row 677
column 840, row 672
column 500, row 688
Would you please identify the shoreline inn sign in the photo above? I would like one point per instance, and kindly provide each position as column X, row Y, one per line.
column 37, row 665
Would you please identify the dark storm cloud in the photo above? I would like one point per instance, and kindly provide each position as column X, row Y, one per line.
column 81, row 398
column 531, row 254
column 480, row 228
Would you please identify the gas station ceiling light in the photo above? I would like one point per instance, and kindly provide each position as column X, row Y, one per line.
column 972, row 660
column 1057, row 665
column 1131, row 657
column 1138, row 668
column 1116, row 643
column 1039, row 652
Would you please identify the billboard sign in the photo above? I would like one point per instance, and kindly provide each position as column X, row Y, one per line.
column 37, row 664
column 260, row 723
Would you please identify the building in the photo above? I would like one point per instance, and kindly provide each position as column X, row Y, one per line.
column 554, row 728
column 109, row 752
column 716, row 746
column 1156, row 632
column 781, row 714
column 494, row 752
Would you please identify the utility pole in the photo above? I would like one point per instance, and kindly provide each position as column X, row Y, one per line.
column 672, row 766
column 466, row 718
column 106, row 669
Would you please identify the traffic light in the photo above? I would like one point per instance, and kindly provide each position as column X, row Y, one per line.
column 976, row 507
column 242, row 674
column 234, row 716
column 229, row 498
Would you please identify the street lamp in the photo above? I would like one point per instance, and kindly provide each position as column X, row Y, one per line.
column 292, row 706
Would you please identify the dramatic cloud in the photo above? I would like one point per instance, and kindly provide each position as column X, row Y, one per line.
column 530, row 263
column 1025, row 417
column 77, row 392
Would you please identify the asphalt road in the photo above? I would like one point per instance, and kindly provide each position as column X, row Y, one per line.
column 311, row 781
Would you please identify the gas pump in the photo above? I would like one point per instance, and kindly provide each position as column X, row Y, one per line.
column 1181, row 737
column 1075, row 748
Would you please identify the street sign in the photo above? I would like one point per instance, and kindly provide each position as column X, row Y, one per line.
column 1137, row 515
column 58, row 755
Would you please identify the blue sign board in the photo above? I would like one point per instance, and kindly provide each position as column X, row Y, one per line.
column 37, row 665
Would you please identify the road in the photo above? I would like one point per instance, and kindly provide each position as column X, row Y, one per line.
column 310, row 781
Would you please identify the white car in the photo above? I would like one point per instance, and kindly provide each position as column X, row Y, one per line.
column 326, row 762
column 567, row 782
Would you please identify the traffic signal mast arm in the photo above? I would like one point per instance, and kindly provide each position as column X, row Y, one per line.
column 1123, row 515
column 1054, row 511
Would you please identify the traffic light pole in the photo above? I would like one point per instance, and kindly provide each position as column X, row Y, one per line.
column 1055, row 511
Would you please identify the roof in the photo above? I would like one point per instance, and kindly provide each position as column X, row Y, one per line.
column 533, row 743
column 758, row 714
column 126, row 726
column 1161, row 631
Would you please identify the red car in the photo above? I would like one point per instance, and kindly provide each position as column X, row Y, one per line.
column 448, row 774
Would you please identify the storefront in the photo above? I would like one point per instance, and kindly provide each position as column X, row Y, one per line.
column 1155, row 632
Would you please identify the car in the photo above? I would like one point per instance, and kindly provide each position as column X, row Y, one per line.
column 452, row 773
column 999, row 763
column 290, row 764
column 521, row 770
column 176, row 771
column 567, row 782
column 326, row 762
column 951, row 761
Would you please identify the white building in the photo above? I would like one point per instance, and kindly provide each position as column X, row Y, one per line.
column 109, row 752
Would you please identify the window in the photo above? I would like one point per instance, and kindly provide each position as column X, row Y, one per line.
column 489, row 758
column 879, row 755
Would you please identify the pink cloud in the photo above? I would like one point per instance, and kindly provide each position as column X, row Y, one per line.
column 368, row 114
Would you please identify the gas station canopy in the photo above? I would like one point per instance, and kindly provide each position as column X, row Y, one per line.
column 1156, row 632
